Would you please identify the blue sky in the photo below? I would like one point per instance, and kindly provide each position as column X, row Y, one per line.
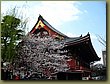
column 72, row 18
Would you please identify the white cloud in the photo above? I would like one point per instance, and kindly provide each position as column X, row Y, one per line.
column 85, row 11
column 55, row 12
column 59, row 12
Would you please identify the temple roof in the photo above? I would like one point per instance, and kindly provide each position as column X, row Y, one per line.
column 85, row 45
column 77, row 39
column 69, row 39
column 47, row 24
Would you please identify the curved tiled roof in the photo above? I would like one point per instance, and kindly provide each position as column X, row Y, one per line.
column 78, row 40
column 47, row 24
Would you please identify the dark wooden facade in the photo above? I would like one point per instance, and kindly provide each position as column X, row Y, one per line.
column 80, row 49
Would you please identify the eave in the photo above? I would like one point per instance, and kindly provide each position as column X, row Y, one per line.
column 85, row 44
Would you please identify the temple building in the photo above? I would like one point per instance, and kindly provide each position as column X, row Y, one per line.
column 80, row 50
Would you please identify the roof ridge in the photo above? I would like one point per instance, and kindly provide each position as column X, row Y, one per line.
column 48, row 24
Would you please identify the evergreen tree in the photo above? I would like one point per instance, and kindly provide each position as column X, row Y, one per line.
column 10, row 34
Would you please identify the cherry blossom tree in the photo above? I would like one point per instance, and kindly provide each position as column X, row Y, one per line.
column 42, row 54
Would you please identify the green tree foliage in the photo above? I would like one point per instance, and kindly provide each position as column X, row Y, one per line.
column 10, row 34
